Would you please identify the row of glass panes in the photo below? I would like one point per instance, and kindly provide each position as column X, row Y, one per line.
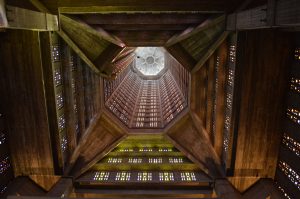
column 147, row 149
column 145, row 176
column 4, row 165
column 290, row 173
column 172, row 160
column 284, row 193
column 297, row 54
column 295, row 84
column 294, row 115
column 291, row 144
column 2, row 138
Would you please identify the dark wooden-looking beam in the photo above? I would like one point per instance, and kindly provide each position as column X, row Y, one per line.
column 19, row 18
column 182, row 56
column 144, row 38
column 24, row 102
column 143, row 19
column 262, row 89
column 282, row 13
column 98, row 46
column 225, row 190
column 210, row 51
column 62, row 188
column 133, row 6
column 103, row 136
column 24, row 186
column 207, row 24
column 189, row 137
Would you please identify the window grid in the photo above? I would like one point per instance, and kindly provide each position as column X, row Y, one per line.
column 101, row 176
column 123, row 176
column 144, row 176
column 55, row 52
column 284, row 193
column 295, row 84
column 59, row 100
column 61, row 122
column 57, row 76
column 291, row 144
column 188, row 176
column 4, row 165
column 294, row 115
column 135, row 160
column 155, row 160
column 290, row 173
column 232, row 53
column 2, row 138
column 175, row 160
column 114, row 160
column 166, row 176
column 297, row 54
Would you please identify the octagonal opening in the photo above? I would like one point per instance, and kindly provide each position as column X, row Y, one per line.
column 151, row 92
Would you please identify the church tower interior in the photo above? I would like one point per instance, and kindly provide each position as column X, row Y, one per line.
column 150, row 99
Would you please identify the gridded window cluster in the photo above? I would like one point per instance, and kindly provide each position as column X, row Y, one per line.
column 232, row 53
column 61, row 122
column 188, row 176
column 294, row 115
column 166, row 176
column 295, row 84
column 101, row 176
column 123, row 176
column 2, row 138
column 63, row 140
column 4, row 165
column 147, row 113
column 145, row 149
column 297, row 54
column 111, row 85
column 290, row 173
column 165, row 149
column 215, row 95
column 121, row 64
column 126, row 150
column 135, row 160
column 172, row 101
column 155, row 160
column 175, row 160
column 55, row 52
column 59, row 100
column 57, row 76
column 284, row 193
column 291, row 144
column 114, row 160
column 180, row 74
column 123, row 100
column 144, row 176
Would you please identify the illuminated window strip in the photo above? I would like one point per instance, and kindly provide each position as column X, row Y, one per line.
column 57, row 77
column 291, row 144
column 175, row 160
column 2, row 138
column 232, row 53
column 295, row 84
column 144, row 176
column 61, row 122
column 294, row 115
column 3, row 189
column 123, row 176
column 284, row 193
column 4, row 165
column 59, row 100
column 166, row 176
column 155, row 160
column 135, row 160
column 126, row 150
column 297, row 54
column 101, row 176
column 188, row 176
column 165, row 149
column 145, row 150
column 114, row 160
column 55, row 52
column 290, row 173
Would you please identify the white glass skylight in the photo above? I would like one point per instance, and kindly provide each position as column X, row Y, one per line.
column 150, row 60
